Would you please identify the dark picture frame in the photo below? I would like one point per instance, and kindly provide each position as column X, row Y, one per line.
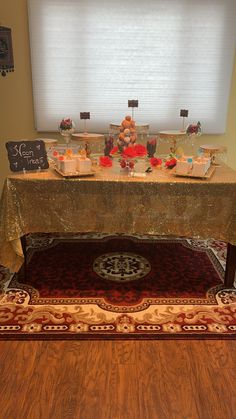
column 6, row 51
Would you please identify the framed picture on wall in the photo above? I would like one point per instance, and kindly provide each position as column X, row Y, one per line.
column 6, row 52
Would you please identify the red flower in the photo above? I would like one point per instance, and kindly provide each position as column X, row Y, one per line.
column 193, row 129
column 140, row 150
column 171, row 163
column 123, row 164
column 126, row 163
column 61, row 158
column 114, row 150
column 105, row 161
column 66, row 124
column 155, row 162
column 129, row 152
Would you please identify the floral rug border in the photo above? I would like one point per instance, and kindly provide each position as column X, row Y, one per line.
column 162, row 321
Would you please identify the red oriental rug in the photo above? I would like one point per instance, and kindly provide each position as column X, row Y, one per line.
column 100, row 286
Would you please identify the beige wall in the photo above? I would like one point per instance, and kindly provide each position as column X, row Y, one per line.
column 16, row 104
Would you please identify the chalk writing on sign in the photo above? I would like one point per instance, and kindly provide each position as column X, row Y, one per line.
column 184, row 113
column 133, row 103
column 84, row 115
column 27, row 155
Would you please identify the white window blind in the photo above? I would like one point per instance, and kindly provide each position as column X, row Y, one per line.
column 94, row 55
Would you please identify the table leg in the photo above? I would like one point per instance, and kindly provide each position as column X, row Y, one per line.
column 230, row 266
column 24, row 249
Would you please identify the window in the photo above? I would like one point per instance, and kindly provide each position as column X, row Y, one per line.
column 95, row 55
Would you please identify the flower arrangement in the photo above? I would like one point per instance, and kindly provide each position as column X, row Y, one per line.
column 171, row 161
column 129, row 154
column 67, row 128
column 132, row 151
column 155, row 162
column 114, row 151
column 66, row 124
column 194, row 129
column 126, row 164
column 105, row 161
column 138, row 150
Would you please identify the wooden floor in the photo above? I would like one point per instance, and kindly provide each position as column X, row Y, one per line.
column 118, row 379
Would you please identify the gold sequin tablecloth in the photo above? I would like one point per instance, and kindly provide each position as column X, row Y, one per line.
column 159, row 204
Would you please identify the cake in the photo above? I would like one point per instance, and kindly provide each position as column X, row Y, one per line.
column 184, row 165
column 67, row 165
column 201, row 166
column 69, row 162
column 198, row 167
column 83, row 164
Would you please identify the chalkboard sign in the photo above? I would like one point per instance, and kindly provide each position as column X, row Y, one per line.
column 27, row 155
column 84, row 115
column 133, row 103
column 184, row 113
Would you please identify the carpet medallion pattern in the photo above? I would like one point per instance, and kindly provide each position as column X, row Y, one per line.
column 101, row 286
column 121, row 267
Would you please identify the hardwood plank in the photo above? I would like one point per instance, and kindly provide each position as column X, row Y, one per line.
column 96, row 380
column 17, row 371
column 224, row 383
column 122, row 399
column 69, row 379
column 218, row 355
column 118, row 380
column 174, row 380
column 213, row 396
column 44, row 382
column 124, row 352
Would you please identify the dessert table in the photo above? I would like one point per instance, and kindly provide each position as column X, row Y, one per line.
column 158, row 204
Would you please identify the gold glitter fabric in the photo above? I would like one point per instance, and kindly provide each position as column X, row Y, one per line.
column 160, row 204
